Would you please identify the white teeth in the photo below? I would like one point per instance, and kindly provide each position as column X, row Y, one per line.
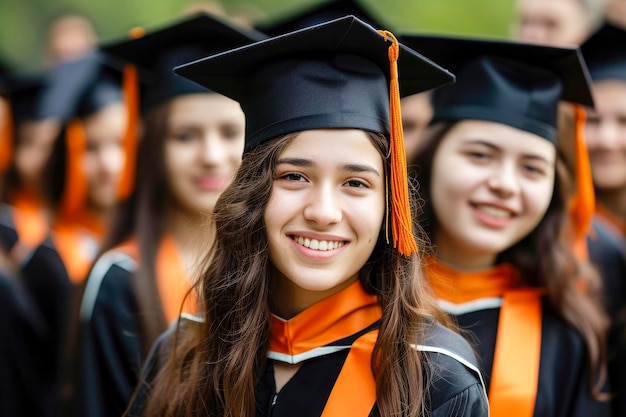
column 322, row 245
column 495, row 211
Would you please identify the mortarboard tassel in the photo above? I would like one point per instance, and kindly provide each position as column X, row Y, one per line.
column 582, row 205
column 6, row 140
column 401, row 221
column 75, row 181
column 130, row 85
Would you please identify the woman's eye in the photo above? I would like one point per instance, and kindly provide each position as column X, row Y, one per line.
column 478, row 155
column 293, row 177
column 183, row 136
column 533, row 170
column 356, row 184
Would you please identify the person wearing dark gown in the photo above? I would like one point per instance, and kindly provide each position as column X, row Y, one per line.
column 312, row 303
column 497, row 212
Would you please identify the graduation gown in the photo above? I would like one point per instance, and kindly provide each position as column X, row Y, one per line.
column 455, row 388
column 26, row 383
column 607, row 252
column 474, row 299
column 111, row 346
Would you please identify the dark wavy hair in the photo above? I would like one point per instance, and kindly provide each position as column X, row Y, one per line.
column 214, row 365
column 543, row 258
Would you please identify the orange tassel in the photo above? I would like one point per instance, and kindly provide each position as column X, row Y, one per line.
column 582, row 205
column 130, row 85
column 6, row 139
column 401, row 221
column 131, row 97
column 75, row 189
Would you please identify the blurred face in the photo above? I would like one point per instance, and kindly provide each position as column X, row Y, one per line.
column 324, row 214
column 606, row 135
column 69, row 37
column 34, row 147
column 491, row 185
column 416, row 114
column 551, row 22
column 203, row 149
column 104, row 157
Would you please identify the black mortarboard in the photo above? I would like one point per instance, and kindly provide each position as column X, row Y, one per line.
column 156, row 53
column 79, row 87
column 605, row 53
column 334, row 74
column 512, row 83
column 339, row 74
column 23, row 93
column 320, row 13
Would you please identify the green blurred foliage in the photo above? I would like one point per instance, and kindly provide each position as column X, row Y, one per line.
column 23, row 22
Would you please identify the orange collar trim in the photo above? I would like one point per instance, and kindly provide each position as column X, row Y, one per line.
column 30, row 218
column 334, row 318
column 459, row 287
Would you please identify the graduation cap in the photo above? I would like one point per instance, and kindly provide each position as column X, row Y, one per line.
column 519, row 85
column 157, row 52
column 339, row 74
column 80, row 87
column 512, row 83
column 322, row 12
column 605, row 53
column 22, row 95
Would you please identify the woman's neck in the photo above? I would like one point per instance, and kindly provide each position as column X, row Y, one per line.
column 464, row 258
column 193, row 235
column 614, row 200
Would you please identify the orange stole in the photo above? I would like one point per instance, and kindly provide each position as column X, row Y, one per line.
column 517, row 354
column 334, row 318
column 173, row 281
column 29, row 217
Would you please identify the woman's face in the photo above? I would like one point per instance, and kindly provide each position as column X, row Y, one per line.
column 416, row 114
column 104, row 157
column 561, row 23
column 324, row 214
column 491, row 184
column 606, row 135
column 203, row 149
column 35, row 140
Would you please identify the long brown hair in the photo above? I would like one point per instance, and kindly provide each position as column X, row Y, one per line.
column 214, row 367
column 143, row 217
column 543, row 259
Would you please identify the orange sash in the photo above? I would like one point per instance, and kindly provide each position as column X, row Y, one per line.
column 30, row 220
column 517, row 355
column 515, row 373
column 172, row 281
column 336, row 317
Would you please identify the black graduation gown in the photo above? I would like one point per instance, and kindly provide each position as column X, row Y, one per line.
column 456, row 388
column 607, row 251
column 8, row 234
column 563, row 386
column 110, row 348
column 26, row 385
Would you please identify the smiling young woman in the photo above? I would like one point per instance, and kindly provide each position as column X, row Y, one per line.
column 313, row 304
column 496, row 210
